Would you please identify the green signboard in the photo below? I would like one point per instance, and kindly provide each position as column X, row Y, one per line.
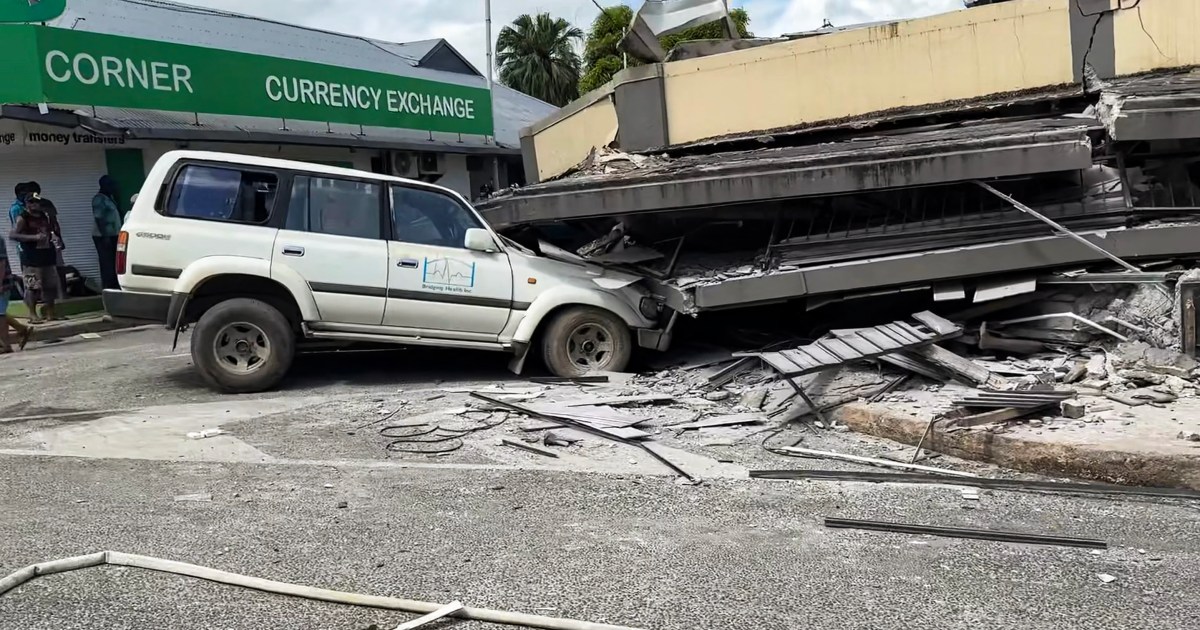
column 31, row 10
column 50, row 65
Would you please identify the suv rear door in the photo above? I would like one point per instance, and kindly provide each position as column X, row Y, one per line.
column 333, row 238
column 211, row 208
column 437, row 287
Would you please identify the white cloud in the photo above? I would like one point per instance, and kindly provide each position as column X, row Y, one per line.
column 462, row 21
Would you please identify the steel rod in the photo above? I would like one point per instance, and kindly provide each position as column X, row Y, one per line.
column 956, row 532
column 977, row 482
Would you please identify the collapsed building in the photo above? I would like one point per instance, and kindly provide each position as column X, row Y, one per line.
column 963, row 155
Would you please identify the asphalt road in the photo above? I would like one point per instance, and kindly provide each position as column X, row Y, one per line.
column 625, row 547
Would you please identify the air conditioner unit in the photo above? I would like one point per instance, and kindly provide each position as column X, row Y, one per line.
column 432, row 164
column 404, row 164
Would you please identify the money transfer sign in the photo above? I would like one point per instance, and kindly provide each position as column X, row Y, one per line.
column 51, row 65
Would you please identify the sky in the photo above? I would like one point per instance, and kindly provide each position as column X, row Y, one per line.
column 462, row 21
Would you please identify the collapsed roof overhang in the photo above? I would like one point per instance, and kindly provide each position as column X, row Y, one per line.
column 940, row 265
column 947, row 153
column 1152, row 107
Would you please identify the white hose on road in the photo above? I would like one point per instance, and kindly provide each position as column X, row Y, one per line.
column 116, row 558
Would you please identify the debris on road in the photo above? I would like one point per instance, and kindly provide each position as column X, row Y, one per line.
column 724, row 421
column 529, row 448
column 1106, row 578
column 194, row 498
column 806, row 452
column 205, row 434
column 956, row 532
column 445, row 611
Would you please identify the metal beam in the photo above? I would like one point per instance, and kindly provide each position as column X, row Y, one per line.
column 976, row 482
column 1058, row 227
column 958, row 532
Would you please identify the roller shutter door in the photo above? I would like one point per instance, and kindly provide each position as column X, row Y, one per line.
column 69, row 179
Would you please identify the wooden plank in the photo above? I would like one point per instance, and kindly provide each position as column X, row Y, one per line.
column 878, row 338
column 915, row 332
column 963, row 368
column 861, row 345
column 823, row 356
column 800, row 358
column 899, row 336
column 780, row 363
column 996, row 416
column 839, row 349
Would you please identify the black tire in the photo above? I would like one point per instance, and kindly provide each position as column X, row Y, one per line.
column 561, row 349
column 255, row 320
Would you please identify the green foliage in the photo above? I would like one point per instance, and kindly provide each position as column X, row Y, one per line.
column 536, row 55
column 602, row 57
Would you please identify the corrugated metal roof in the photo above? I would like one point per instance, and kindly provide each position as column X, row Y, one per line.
column 196, row 26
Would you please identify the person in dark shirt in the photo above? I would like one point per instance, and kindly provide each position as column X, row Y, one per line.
column 34, row 231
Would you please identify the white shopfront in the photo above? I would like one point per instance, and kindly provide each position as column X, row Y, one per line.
column 68, row 164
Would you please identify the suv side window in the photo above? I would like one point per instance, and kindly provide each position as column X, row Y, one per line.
column 339, row 207
column 424, row 217
column 223, row 194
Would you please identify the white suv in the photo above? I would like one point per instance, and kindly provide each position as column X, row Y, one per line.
column 262, row 255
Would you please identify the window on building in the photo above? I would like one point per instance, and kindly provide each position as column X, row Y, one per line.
column 339, row 207
column 223, row 194
column 426, row 217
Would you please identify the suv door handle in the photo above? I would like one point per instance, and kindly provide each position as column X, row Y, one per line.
column 292, row 250
column 407, row 263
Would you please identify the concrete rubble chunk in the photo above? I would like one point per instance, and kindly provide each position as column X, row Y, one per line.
column 753, row 399
column 1074, row 409
column 1190, row 436
column 718, row 395
column 1170, row 362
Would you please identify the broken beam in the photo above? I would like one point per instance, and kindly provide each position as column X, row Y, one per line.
column 965, row 369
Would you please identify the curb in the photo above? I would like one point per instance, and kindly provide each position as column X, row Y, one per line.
column 64, row 330
column 1135, row 468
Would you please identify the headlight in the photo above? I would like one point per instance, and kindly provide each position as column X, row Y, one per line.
column 650, row 308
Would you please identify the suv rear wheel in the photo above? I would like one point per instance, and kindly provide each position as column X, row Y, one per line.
column 242, row 346
column 584, row 340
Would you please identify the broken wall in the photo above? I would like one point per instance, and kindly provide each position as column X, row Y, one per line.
column 996, row 49
column 1157, row 34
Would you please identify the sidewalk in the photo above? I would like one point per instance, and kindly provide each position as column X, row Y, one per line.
column 1131, row 446
column 84, row 315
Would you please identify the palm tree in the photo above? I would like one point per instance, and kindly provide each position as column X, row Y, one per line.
column 537, row 56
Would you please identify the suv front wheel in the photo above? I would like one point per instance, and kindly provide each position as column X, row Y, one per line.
column 242, row 346
column 584, row 340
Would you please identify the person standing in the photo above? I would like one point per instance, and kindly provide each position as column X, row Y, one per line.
column 34, row 232
column 6, row 321
column 107, row 217
column 18, row 206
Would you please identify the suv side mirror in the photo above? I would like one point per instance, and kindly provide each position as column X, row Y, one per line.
column 480, row 240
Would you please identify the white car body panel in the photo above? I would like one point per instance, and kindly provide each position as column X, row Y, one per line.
column 503, row 303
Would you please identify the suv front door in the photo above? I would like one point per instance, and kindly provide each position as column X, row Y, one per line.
column 333, row 238
column 437, row 287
